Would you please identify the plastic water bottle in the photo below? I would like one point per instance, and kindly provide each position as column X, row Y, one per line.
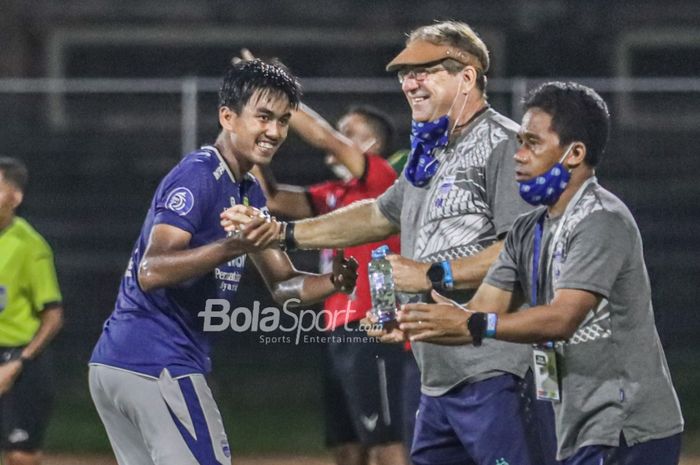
column 381, row 285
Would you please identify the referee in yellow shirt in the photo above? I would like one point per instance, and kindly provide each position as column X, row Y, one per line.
column 31, row 314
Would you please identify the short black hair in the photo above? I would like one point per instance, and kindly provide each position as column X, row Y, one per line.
column 15, row 172
column 245, row 77
column 578, row 114
column 381, row 124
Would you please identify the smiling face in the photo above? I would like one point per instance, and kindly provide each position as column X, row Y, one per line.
column 540, row 147
column 434, row 95
column 258, row 131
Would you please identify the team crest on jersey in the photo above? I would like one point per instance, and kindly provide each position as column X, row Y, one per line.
column 444, row 190
column 180, row 200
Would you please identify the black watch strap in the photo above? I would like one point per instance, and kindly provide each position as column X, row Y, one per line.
column 435, row 275
column 16, row 355
column 476, row 324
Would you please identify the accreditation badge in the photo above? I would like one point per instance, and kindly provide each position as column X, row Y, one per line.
column 3, row 298
column 544, row 362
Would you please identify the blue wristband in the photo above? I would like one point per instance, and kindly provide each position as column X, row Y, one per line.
column 447, row 279
column 491, row 322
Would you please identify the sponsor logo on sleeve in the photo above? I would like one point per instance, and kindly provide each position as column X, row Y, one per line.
column 180, row 200
column 219, row 171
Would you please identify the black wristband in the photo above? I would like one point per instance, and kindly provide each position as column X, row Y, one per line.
column 16, row 355
column 289, row 242
column 476, row 324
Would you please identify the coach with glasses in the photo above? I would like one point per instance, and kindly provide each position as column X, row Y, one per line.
column 453, row 204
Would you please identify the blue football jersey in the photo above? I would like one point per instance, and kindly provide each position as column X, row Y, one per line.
column 149, row 331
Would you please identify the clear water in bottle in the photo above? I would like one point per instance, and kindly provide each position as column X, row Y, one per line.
column 381, row 285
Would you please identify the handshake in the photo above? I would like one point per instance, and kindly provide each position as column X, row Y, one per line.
column 253, row 230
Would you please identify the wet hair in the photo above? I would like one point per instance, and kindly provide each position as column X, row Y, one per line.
column 246, row 77
column 578, row 114
column 15, row 172
column 461, row 36
column 380, row 124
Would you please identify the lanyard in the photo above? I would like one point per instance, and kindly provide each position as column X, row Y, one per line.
column 537, row 246
column 536, row 259
column 538, row 240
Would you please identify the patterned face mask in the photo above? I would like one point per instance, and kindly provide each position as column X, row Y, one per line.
column 546, row 188
column 426, row 138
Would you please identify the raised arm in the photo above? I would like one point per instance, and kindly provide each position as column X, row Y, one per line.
column 282, row 199
column 315, row 130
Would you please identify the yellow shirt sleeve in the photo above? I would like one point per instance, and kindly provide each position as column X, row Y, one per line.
column 42, row 280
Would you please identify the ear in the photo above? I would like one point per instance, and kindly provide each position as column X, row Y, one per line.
column 576, row 156
column 469, row 74
column 227, row 118
column 17, row 197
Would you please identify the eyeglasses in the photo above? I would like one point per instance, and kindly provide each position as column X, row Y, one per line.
column 420, row 73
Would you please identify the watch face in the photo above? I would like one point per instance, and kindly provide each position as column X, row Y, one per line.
column 436, row 273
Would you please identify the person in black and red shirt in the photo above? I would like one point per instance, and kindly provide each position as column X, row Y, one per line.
column 363, row 379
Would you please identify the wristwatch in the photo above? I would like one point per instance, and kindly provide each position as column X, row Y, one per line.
column 482, row 325
column 16, row 355
column 476, row 324
column 440, row 275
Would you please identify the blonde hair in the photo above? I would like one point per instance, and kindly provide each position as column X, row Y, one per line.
column 461, row 36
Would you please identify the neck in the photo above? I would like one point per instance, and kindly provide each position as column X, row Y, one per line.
column 578, row 178
column 5, row 222
column 462, row 120
column 237, row 164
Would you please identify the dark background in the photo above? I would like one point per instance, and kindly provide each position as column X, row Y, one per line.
column 94, row 169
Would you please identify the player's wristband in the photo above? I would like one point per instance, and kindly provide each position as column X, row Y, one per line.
column 287, row 242
column 448, row 281
column 476, row 324
column 17, row 356
column 491, row 322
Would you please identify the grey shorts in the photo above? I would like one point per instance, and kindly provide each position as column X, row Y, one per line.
column 151, row 421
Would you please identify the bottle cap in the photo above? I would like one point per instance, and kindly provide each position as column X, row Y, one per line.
column 380, row 252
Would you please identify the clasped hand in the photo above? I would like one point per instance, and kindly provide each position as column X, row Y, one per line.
column 250, row 228
column 344, row 274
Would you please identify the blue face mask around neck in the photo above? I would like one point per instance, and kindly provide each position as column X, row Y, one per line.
column 546, row 188
column 426, row 138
